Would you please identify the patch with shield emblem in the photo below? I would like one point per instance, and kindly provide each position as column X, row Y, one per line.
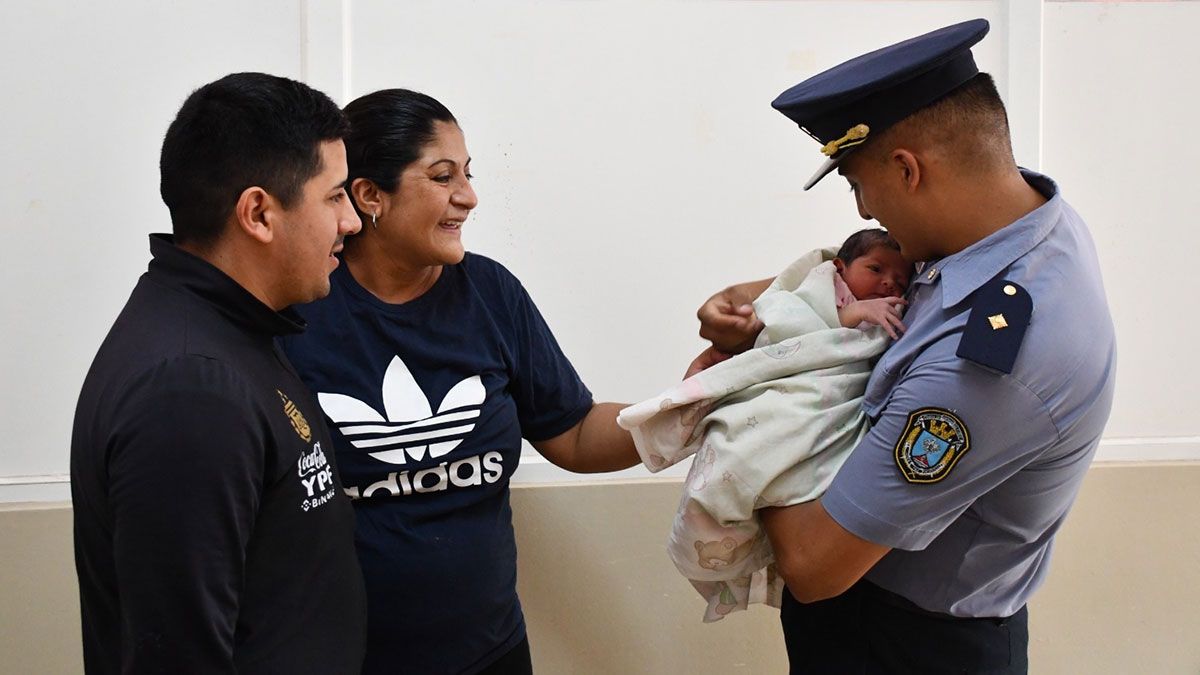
column 931, row 444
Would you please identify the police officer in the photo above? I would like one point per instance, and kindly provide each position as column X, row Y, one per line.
column 986, row 412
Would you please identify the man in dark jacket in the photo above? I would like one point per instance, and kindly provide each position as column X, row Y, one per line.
column 211, row 534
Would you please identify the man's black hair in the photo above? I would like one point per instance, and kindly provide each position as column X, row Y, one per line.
column 244, row 130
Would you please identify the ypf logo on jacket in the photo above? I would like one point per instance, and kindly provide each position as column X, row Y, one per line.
column 312, row 468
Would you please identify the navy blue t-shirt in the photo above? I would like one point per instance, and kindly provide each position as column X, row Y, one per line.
column 427, row 402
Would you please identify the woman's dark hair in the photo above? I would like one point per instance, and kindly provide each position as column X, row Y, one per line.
column 863, row 241
column 388, row 129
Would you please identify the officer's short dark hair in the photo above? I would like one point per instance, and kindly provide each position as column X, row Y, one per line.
column 389, row 129
column 244, row 130
column 974, row 104
column 970, row 121
column 861, row 242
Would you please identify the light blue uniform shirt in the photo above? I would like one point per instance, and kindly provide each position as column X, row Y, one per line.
column 974, row 538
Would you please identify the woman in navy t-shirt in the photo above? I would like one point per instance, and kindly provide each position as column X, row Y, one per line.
column 432, row 364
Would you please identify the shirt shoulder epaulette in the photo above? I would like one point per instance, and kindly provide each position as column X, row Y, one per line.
column 1000, row 313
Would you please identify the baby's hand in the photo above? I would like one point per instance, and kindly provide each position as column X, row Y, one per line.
column 879, row 311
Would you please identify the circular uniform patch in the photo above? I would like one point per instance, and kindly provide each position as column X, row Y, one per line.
column 930, row 445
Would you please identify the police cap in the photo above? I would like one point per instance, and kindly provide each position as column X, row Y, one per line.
column 844, row 105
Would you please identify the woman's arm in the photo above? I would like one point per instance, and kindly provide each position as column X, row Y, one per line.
column 594, row 445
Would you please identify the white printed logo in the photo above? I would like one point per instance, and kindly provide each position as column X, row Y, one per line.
column 410, row 427
column 316, row 476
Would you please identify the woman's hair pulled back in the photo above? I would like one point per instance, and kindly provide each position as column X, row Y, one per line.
column 388, row 129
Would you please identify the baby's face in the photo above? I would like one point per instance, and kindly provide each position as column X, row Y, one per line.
column 879, row 273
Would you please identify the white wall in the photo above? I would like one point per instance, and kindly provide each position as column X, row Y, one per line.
column 628, row 164
column 89, row 91
column 1121, row 109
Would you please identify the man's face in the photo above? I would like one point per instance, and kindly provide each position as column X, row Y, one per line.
column 313, row 229
column 879, row 193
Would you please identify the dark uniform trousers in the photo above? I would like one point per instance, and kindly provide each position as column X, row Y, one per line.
column 869, row 630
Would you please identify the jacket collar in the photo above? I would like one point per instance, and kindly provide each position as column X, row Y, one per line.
column 178, row 268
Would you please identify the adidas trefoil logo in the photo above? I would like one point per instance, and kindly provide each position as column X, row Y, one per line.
column 410, row 427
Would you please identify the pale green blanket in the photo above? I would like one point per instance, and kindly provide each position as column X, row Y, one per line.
column 769, row 427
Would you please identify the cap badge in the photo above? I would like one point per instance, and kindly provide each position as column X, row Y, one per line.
column 855, row 135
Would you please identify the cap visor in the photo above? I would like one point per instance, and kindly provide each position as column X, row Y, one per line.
column 828, row 166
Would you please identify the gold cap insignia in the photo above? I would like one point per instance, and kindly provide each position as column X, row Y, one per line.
column 855, row 135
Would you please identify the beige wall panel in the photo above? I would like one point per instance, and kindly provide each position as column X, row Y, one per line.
column 39, row 597
column 601, row 596
column 1124, row 588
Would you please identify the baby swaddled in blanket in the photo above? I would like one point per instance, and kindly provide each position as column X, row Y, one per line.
column 771, row 426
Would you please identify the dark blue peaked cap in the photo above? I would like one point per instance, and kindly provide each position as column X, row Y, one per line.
column 844, row 105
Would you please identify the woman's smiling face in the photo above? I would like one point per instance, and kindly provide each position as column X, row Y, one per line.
column 426, row 212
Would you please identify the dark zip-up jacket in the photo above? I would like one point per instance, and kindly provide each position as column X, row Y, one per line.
column 211, row 532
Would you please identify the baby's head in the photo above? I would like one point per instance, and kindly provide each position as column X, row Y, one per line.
column 871, row 265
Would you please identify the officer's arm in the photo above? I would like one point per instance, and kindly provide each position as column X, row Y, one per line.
column 890, row 494
column 817, row 557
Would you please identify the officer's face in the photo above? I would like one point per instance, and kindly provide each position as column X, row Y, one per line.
column 878, row 192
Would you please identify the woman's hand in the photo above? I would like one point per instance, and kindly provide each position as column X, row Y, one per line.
column 727, row 319
column 879, row 311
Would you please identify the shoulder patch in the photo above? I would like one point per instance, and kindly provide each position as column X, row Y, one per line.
column 931, row 443
column 999, row 316
column 296, row 418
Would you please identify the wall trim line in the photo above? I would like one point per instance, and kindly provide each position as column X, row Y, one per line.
column 537, row 471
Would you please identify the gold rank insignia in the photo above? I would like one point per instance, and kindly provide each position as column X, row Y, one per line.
column 296, row 418
column 1000, row 312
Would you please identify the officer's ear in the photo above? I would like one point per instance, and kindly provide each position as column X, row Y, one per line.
column 907, row 168
column 256, row 213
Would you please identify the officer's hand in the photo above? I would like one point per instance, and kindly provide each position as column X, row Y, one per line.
column 879, row 311
column 708, row 358
column 727, row 319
